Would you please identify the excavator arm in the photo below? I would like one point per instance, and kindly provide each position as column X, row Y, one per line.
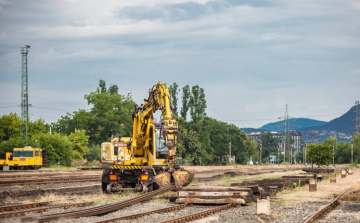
column 159, row 99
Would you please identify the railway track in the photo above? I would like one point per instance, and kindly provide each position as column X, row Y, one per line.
column 199, row 215
column 22, row 206
column 135, row 216
column 48, row 180
column 321, row 212
column 41, row 209
column 99, row 209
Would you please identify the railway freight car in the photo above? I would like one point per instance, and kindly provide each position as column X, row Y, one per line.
column 21, row 159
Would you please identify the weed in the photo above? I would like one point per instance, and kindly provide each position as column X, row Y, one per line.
column 336, row 195
column 277, row 201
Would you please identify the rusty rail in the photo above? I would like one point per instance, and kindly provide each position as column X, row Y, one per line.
column 135, row 216
column 41, row 209
column 22, row 206
column 49, row 180
column 318, row 214
column 198, row 215
column 102, row 209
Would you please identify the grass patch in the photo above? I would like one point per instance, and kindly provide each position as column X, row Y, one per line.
column 277, row 201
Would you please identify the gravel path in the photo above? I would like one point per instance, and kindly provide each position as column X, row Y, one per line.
column 279, row 213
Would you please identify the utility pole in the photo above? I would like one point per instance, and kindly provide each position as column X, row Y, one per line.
column 24, row 126
column 286, row 131
column 291, row 154
column 278, row 154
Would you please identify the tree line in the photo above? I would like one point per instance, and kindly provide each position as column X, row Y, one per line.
column 203, row 140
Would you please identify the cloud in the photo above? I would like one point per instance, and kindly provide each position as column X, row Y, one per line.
column 251, row 57
column 182, row 11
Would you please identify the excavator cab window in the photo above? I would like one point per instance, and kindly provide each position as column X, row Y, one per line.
column 116, row 151
column 161, row 149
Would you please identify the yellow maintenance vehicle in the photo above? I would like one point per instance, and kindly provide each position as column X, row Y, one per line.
column 22, row 159
column 145, row 161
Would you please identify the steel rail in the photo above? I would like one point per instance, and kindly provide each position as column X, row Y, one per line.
column 327, row 208
column 22, row 206
column 102, row 209
column 135, row 216
column 41, row 209
column 198, row 215
column 48, row 180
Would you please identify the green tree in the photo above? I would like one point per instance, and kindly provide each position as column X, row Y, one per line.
column 94, row 153
column 9, row 145
column 173, row 92
column 197, row 103
column 194, row 148
column 251, row 149
column 185, row 97
column 111, row 114
column 299, row 157
column 58, row 147
column 356, row 148
column 79, row 144
column 320, row 154
column 102, row 86
column 113, row 89
column 269, row 144
column 343, row 153
column 9, row 126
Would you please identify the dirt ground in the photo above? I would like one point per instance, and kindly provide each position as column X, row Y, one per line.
column 326, row 191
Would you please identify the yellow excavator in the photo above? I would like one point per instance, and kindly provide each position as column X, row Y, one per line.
column 145, row 161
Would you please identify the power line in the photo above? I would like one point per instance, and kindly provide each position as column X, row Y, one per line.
column 10, row 106
column 54, row 109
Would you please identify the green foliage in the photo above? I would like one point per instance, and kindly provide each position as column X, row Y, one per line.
column 79, row 142
column 10, row 127
column 197, row 103
column 8, row 146
column 343, row 153
column 94, row 153
column 174, row 99
column 194, row 148
column 299, row 157
column 269, row 144
column 320, row 154
column 251, row 149
column 111, row 114
column 58, row 147
column 185, row 101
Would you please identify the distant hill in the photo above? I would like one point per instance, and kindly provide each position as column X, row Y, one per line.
column 294, row 124
column 344, row 123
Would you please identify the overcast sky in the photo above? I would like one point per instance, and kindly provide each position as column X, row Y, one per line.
column 251, row 57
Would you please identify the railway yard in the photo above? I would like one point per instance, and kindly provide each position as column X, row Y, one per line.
column 76, row 196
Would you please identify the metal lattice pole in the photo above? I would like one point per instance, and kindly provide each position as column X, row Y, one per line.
column 24, row 126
